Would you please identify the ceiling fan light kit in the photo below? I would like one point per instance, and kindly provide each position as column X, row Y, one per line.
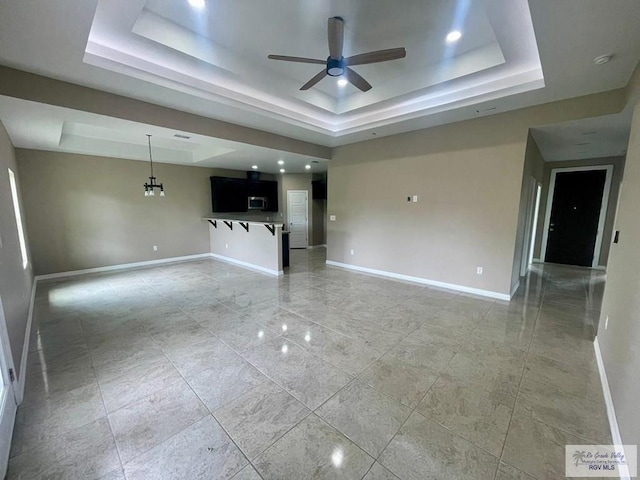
column 338, row 66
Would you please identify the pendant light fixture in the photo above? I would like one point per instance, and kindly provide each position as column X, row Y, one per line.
column 149, row 187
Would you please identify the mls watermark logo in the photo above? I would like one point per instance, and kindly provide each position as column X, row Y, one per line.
column 601, row 460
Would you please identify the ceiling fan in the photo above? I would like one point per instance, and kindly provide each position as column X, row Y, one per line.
column 336, row 65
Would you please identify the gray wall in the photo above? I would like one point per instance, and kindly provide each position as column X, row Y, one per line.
column 85, row 211
column 533, row 168
column 298, row 181
column 36, row 88
column 319, row 215
column 15, row 281
column 319, row 226
column 468, row 177
column 620, row 342
column 618, row 168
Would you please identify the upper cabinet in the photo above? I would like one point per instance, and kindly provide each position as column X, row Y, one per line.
column 232, row 194
column 319, row 189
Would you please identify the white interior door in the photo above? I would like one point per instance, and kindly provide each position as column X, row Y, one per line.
column 7, row 397
column 297, row 208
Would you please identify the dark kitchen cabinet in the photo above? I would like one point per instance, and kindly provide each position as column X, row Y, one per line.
column 319, row 189
column 232, row 194
column 229, row 194
column 270, row 191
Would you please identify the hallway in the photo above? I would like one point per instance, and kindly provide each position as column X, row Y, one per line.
column 208, row 370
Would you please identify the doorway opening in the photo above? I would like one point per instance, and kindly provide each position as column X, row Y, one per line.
column 575, row 217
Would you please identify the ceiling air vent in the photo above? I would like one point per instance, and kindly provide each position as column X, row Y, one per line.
column 179, row 135
column 486, row 110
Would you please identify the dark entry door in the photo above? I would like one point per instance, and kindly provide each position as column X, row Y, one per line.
column 575, row 213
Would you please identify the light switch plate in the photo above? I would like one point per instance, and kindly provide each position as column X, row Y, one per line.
column 332, row 218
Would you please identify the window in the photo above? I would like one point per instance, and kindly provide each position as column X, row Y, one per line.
column 16, row 208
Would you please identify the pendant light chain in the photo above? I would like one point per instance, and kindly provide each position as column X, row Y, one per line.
column 150, row 157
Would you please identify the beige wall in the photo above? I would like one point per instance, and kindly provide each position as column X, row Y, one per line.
column 619, row 343
column 29, row 86
column 533, row 168
column 85, row 211
column 618, row 168
column 468, row 177
column 319, row 226
column 257, row 247
column 297, row 181
column 319, row 215
column 15, row 281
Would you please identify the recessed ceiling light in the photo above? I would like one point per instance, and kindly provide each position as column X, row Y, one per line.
column 282, row 170
column 602, row 59
column 454, row 36
column 255, row 167
column 342, row 82
column 307, row 167
column 280, row 162
column 197, row 3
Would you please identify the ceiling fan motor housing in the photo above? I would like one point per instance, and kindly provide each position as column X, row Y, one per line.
column 335, row 68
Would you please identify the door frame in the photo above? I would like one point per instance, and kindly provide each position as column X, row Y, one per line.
column 306, row 194
column 603, row 208
column 533, row 205
column 8, row 399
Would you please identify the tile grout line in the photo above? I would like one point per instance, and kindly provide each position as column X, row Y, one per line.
column 524, row 367
column 352, row 380
column 210, row 414
column 104, row 405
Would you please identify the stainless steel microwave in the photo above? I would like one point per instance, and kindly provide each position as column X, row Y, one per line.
column 257, row 203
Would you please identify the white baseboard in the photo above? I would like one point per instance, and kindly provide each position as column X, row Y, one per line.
column 247, row 265
column 25, row 346
column 611, row 413
column 122, row 266
column 424, row 281
column 514, row 289
column 536, row 260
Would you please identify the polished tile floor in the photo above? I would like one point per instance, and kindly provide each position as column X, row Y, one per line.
column 204, row 370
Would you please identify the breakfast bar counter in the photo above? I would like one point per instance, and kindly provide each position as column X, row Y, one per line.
column 249, row 243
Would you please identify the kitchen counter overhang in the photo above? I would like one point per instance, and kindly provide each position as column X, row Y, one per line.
column 252, row 244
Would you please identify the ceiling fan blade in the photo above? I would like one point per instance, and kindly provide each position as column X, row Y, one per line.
column 357, row 80
column 286, row 58
column 376, row 57
column 314, row 80
column 335, row 33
